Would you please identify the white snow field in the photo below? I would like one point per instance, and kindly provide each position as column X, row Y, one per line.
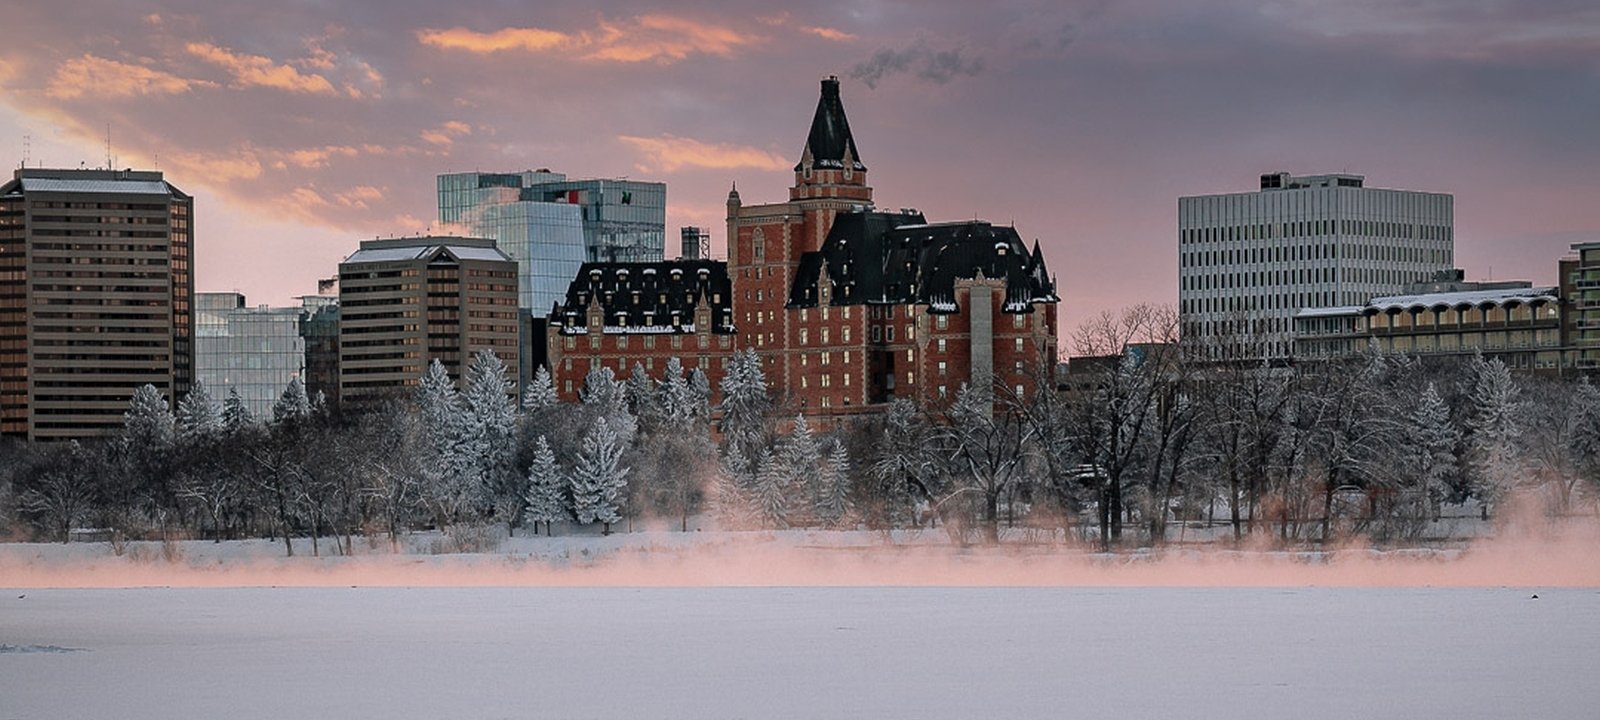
column 798, row 626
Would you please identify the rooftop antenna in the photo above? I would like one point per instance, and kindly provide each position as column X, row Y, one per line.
column 27, row 146
column 109, row 164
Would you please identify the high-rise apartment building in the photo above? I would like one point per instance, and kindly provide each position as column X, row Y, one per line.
column 1248, row 262
column 254, row 351
column 95, row 292
column 406, row 302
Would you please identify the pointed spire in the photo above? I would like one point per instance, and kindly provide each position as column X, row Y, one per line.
column 830, row 144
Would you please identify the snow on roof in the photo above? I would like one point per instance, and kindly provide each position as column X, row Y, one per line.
column 402, row 254
column 1335, row 311
column 386, row 254
column 1499, row 297
column 118, row 187
column 476, row 253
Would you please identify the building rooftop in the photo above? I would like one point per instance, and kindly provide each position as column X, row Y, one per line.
column 900, row 259
column 648, row 297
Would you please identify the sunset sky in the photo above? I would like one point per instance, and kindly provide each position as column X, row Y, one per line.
column 304, row 127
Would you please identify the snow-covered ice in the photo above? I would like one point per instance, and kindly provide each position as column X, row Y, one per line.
column 876, row 652
column 797, row 625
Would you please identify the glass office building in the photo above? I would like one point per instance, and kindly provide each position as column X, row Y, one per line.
column 551, row 225
column 255, row 351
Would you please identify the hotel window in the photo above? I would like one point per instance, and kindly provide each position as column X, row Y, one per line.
column 825, row 357
column 804, row 336
column 824, row 336
column 942, row 367
column 827, row 380
column 1017, row 342
column 943, row 322
column 911, row 378
column 941, row 344
column 847, row 380
column 911, row 332
column 847, row 357
column 847, row 334
column 1018, row 320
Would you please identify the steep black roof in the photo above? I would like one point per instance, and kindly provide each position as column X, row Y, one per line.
column 830, row 132
column 646, row 298
column 897, row 259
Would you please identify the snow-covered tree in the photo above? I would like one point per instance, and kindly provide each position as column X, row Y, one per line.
column 745, row 405
column 729, row 498
column 148, row 423
column 293, row 405
column 547, row 489
column 641, row 396
column 236, row 415
column 598, row 477
column 904, row 463
column 541, row 393
column 199, row 416
column 767, row 495
column 833, row 504
column 449, row 477
column 797, row 460
column 700, row 395
column 1431, row 446
column 1586, row 433
column 602, row 390
column 488, row 436
column 1493, row 428
column 674, row 395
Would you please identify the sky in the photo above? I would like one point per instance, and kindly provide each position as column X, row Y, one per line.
column 305, row 126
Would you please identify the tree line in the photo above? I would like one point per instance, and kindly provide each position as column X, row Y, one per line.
column 1130, row 447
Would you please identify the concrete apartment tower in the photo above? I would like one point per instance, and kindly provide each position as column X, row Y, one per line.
column 406, row 302
column 1248, row 262
column 96, row 285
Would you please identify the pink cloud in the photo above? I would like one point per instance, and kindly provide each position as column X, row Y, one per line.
column 259, row 71
column 668, row 153
column 90, row 75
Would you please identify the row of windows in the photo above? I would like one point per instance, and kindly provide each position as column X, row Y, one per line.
column 1315, row 228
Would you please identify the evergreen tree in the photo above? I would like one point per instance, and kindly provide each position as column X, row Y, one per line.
column 745, row 406
column 675, row 396
column 641, row 397
column 771, row 505
column 547, row 489
column 448, row 473
column 699, row 395
column 541, row 392
column 488, row 426
column 598, row 478
column 293, row 405
column 236, row 415
column 833, row 505
column 730, row 501
column 1431, row 443
column 602, row 390
column 199, row 416
column 148, row 423
column 1586, row 432
column 797, row 459
column 1493, row 423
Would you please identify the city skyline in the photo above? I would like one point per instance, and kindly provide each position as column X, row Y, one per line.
column 303, row 131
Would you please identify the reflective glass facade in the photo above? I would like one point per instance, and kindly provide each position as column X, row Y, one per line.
column 253, row 350
column 551, row 225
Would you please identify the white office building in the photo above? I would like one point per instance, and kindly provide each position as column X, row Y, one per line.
column 1248, row 262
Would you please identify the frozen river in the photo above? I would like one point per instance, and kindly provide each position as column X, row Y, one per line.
column 816, row 652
